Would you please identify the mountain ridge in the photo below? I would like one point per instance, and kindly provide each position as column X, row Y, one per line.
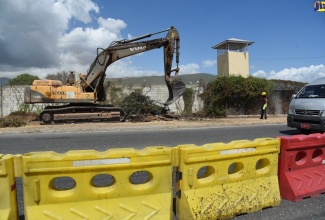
column 4, row 80
column 188, row 79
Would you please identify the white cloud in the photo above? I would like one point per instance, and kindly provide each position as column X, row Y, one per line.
column 79, row 47
column 29, row 32
column 260, row 74
column 42, row 42
column 208, row 63
column 302, row 74
column 190, row 68
column 112, row 25
column 79, row 9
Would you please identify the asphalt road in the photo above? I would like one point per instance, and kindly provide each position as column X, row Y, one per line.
column 311, row 208
column 101, row 141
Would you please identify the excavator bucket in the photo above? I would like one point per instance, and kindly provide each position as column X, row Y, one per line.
column 176, row 88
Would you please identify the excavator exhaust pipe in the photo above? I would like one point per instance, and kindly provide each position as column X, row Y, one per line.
column 176, row 88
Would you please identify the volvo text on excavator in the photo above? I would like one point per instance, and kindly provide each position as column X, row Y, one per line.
column 82, row 92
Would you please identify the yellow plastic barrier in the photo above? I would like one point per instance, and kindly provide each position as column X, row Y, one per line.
column 8, row 195
column 115, row 184
column 218, row 181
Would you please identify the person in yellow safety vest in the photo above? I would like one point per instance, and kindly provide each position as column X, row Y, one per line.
column 263, row 106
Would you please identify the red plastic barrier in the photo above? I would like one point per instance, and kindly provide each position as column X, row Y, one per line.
column 302, row 166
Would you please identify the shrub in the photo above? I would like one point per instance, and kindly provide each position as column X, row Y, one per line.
column 188, row 97
column 234, row 92
column 136, row 103
column 11, row 122
column 17, row 119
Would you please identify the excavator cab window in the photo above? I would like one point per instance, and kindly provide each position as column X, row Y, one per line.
column 71, row 79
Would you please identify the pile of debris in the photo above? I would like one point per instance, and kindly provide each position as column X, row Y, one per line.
column 150, row 117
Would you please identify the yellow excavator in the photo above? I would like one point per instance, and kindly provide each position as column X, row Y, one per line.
column 82, row 92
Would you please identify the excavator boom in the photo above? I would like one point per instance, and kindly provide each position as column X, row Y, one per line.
column 124, row 48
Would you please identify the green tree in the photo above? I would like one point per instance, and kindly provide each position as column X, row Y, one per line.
column 62, row 76
column 23, row 79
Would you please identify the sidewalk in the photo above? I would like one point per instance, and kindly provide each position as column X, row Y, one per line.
column 35, row 127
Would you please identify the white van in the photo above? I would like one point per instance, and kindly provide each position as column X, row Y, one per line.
column 307, row 108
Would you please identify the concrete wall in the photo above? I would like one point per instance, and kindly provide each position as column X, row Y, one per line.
column 160, row 94
column 12, row 99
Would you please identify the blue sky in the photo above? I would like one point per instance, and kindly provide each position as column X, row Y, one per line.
column 42, row 37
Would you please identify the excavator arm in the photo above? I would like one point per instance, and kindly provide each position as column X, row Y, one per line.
column 94, row 80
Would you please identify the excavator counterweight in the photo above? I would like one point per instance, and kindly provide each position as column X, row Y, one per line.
column 83, row 91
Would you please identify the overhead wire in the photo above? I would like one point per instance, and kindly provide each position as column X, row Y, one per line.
column 289, row 58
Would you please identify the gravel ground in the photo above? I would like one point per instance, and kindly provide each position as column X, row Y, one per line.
column 36, row 127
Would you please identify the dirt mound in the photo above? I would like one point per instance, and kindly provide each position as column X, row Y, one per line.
column 18, row 119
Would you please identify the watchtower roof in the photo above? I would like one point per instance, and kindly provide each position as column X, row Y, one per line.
column 233, row 41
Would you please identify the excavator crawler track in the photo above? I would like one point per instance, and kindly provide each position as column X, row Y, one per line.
column 81, row 112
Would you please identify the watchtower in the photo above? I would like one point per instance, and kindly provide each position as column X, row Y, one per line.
column 232, row 58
